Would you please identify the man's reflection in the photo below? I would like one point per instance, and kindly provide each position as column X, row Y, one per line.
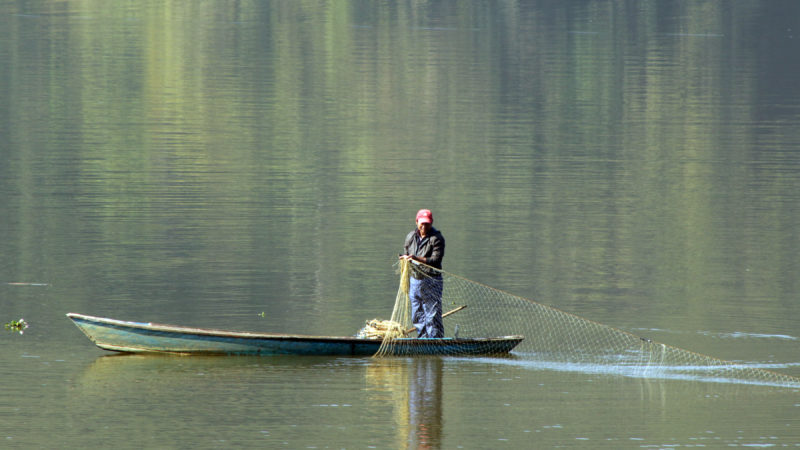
column 414, row 387
column 425, row 403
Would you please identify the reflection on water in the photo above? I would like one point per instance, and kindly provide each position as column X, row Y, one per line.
column 410, row 402
column 385, row 379
column 413, row 387
column 124, row 370
column 425, row 403
column 408, row 390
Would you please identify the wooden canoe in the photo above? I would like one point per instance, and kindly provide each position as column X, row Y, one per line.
column 146, row 337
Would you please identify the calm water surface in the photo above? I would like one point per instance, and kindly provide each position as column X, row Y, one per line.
column 202, row 163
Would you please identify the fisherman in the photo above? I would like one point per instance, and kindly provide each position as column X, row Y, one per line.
column 425, row 244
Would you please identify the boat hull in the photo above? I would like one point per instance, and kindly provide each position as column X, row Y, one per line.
column 140, row 337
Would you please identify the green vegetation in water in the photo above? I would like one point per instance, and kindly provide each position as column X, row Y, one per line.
column 17, row 325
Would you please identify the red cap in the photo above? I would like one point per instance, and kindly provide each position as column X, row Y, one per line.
column 424, row 216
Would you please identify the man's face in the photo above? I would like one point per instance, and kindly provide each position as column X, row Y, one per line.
column 424, row 228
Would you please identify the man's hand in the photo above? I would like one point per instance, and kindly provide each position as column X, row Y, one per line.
column 413, row 258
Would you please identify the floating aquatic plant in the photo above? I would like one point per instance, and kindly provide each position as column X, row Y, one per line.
column 17, row 325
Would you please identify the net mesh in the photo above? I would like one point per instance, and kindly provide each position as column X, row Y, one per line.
column 550, row 335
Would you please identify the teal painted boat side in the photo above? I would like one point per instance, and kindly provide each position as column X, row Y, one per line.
column 143, row 337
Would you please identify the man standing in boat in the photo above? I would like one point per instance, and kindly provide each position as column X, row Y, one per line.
column 425, row 244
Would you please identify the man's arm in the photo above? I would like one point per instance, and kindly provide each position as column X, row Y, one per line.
column 437, row 255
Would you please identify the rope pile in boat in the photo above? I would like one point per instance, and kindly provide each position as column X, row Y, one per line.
column 382, row 329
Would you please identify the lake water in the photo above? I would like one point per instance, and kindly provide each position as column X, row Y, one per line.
column 255, row 166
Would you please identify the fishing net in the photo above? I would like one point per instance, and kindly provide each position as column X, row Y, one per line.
column 399, row 326
column 551, row 335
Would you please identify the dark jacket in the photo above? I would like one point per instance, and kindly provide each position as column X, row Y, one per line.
column 431, row 247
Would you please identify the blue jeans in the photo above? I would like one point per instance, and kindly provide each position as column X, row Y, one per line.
column 426, row 306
